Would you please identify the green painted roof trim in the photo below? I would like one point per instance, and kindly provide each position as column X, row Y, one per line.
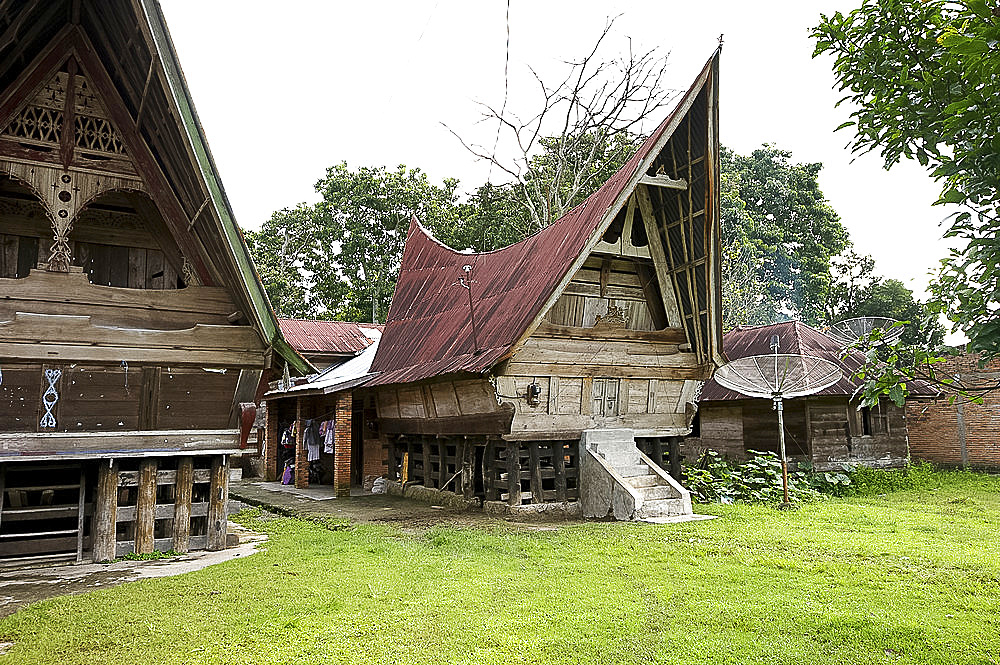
column 254, row 291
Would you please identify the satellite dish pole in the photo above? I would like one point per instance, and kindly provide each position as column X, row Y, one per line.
column 776, row 377
column 778, row 406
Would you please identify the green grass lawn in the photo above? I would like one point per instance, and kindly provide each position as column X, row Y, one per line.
column 911, row 577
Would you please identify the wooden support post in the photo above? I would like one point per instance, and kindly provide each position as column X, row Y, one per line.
column 145, row 507
column 391, row 469
column 218, row 498
column 442, row 444
column 468, row 468
column 427, row 480
column 3, row 489
column 513, row 474
column 535, row 460
column 81, row 513
column 183, row 486
column 675, row 457
column 105, row 511
column 559, row 462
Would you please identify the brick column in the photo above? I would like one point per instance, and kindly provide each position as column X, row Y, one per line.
column 342, row 445
column 269, row 448
column 301, row 465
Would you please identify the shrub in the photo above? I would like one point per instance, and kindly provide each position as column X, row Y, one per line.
column 756, row 481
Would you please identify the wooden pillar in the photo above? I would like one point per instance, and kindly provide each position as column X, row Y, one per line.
column 559, row 463
column 468, row 468
column 675, row 457
column 183, row 486
column 218, row 499
column 105, row 511
column 81, row 511
column 301, row 463
column 427, row 480
column 535, row 461
column 342, row 444
column 145, row 507
column 513, row 475
column 269, row 447
column 443, row 475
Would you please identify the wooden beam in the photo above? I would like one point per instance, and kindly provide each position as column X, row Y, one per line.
column 105, row 511
column 661, row 262
column 81, row 513
column 663, row 181
column 183, row 488
column 217, row 502
column 145, row 507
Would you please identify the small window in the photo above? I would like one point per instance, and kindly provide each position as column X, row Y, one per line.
column 866, row 421
column 605, row 394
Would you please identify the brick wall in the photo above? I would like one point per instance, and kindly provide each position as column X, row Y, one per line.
column 962, row 433
column 270, row 448
column 301, row 454
column 374, row 456
column 342, row 445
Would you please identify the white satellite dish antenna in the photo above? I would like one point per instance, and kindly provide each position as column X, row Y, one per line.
column 776, row 377
column 852, row 331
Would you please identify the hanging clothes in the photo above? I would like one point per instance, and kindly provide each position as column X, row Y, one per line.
column 328, row 437
column 310, row 438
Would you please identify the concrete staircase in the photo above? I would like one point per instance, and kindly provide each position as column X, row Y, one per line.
column 618, row 480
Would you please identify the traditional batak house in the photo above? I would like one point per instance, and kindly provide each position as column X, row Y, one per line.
column 132, row 325
column 492, row 366
column 827, row 430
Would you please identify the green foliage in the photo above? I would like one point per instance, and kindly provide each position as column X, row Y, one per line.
column 923, row 77
column 339, row 258
column 779, row 237
column 757, row 480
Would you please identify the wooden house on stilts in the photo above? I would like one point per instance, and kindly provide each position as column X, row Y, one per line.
column 132, row 325
column 600, row 328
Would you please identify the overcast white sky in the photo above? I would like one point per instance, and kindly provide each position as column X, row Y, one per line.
column 286, row 90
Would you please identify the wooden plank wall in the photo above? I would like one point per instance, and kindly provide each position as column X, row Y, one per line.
column 600, row 283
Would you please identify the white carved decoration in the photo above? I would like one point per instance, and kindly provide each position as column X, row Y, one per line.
column 50, row 397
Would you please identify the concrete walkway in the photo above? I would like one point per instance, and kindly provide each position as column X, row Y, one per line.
column 21, row 586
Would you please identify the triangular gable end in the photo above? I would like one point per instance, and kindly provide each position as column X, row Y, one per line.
column 666, row 214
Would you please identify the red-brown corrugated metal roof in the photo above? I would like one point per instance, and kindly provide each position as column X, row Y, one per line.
column 428, row 331
column 342, row 337
column 796, row 338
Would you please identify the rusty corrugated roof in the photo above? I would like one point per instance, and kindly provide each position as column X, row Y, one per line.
column 428, row 331
column 341, row 337
column 795, row 338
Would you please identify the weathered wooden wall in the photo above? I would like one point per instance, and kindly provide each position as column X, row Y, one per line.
column 826, row 431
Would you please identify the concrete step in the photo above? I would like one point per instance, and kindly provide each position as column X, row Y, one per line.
column 649, row 480
column 601, row 436
column 656, row 492
column 630, row 471
column 661, row 508
column 628, row 458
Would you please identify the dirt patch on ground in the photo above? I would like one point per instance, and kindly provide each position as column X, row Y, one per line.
column 409, row 515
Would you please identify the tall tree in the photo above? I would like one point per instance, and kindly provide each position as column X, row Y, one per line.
column 774, row 212
column 923, row 77
column 339, row 258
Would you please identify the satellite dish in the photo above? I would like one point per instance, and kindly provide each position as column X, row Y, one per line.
column 777, row 377
column 852, row 331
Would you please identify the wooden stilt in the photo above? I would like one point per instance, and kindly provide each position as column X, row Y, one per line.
column 145, row 507
column 443, row 475
column 675, row 456
column 105, row 511
column 559, row 464
column 217, row 501
column 468, row 468
column 535, row 461
column 513, row 475
column 81, row 513
column 183, row 486
column 427, row 480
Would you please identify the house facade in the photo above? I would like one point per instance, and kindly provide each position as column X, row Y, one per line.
column 132, row 325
